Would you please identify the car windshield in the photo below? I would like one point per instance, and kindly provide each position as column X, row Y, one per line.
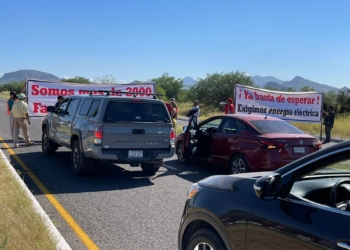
column 136, row 112
column 275, row 127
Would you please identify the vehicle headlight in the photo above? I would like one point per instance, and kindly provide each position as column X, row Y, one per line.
column 193, row 191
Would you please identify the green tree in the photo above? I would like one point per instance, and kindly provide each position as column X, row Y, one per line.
column 217, row 87
column 12, row 86
column 330, row 98
column 307, row 89
column 77, row 79
column 170, row 84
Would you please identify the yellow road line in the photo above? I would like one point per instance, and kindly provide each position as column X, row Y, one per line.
column 60, row 209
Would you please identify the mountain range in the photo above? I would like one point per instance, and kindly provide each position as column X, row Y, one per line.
column 262, row 81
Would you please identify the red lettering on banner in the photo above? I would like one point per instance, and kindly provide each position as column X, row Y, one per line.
column 39, row 108
column 301, row 100
column 248, row 95
column 83, row 92
column 281, row 98
column 35, row 90
column 267, row 98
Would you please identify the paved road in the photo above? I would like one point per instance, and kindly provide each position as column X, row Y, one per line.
column 117, row 206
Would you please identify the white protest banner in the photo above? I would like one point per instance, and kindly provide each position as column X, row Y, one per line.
column 44, row 93
column 289, row 106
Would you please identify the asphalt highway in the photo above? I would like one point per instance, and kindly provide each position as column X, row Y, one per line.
column 116, row 206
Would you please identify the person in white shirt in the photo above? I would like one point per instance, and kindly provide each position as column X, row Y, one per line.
column 194, row 112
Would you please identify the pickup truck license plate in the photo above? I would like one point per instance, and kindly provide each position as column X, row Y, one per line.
column 299, row 150
column 135, row 154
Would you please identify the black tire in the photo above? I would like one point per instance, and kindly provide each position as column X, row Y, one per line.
column 78, row 159
column 180, row 156
column 238, row 164
column 205, row 239
column 150, row 168
column 47, row 145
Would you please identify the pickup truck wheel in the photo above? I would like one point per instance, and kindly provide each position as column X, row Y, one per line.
column 179, row 153
column 78, row 159
column 150, row 168
column 47, row 145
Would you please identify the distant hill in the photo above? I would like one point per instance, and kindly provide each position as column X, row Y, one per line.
column 189, row 81
column 298, row 82
column 262, row 80
column 21, row 75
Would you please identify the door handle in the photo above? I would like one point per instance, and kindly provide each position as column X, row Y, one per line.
column 343, row 245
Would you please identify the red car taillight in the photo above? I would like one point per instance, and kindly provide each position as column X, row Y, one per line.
column 98, row 132
column 172, row 136
column 270, row 144
column 317, row 143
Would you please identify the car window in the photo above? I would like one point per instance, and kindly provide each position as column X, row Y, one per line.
column 232, row 126
column 94, row 108
column 72, row 106
column 85, row 107
column 275, row 127
column 212, row 124
column 62, row 108
column 136, row 112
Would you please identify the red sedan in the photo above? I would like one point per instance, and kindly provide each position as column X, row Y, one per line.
column 244, row 143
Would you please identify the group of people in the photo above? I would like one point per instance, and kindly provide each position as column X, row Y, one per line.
column 17, row 110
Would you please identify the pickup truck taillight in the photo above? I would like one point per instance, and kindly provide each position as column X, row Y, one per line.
column 172, row 136
column 98, row 132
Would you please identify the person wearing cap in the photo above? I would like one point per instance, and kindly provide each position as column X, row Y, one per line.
column 21, row 120
column 328, row 123
column 9, row 105
column 228, row 107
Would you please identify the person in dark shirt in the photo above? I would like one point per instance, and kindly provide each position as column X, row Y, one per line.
column 328, row 122
column 59, row 100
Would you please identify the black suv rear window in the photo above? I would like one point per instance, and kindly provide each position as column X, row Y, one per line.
column 136, row 112
column 275, row 127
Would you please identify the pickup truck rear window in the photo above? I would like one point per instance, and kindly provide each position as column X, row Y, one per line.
column 136, row 112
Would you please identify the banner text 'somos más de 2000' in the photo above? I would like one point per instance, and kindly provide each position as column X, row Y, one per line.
column 290, row 106
column 44, row 93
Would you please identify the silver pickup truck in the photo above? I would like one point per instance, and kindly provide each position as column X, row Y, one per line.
column 131, row 130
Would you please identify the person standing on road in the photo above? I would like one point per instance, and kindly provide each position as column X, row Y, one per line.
column 228, row 107
column 194, row 112
column 173, row 113
column 9, row 105
column 59, row 101
column 21, row 120
column 328, row 122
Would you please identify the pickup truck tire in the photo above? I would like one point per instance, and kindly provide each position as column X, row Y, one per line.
column 150, row 168
column 78, row 159
column 47, row 145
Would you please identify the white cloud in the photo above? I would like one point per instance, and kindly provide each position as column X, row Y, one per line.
column 65, row 77
column 246, row 74
column 1, row 74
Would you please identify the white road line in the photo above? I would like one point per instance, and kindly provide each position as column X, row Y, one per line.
column 167, row 166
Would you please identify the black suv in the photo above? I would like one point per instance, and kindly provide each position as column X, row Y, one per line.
column 132, row 130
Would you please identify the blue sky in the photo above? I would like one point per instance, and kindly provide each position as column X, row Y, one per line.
column 141, row 39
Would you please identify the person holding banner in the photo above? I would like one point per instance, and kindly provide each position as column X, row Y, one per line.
column 9, row 105
column 21, row 120
column 228, row 106
column 328, row 122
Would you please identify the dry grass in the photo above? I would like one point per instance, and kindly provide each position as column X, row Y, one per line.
column 5, row 94
column 21, row 227
column 341, row 128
